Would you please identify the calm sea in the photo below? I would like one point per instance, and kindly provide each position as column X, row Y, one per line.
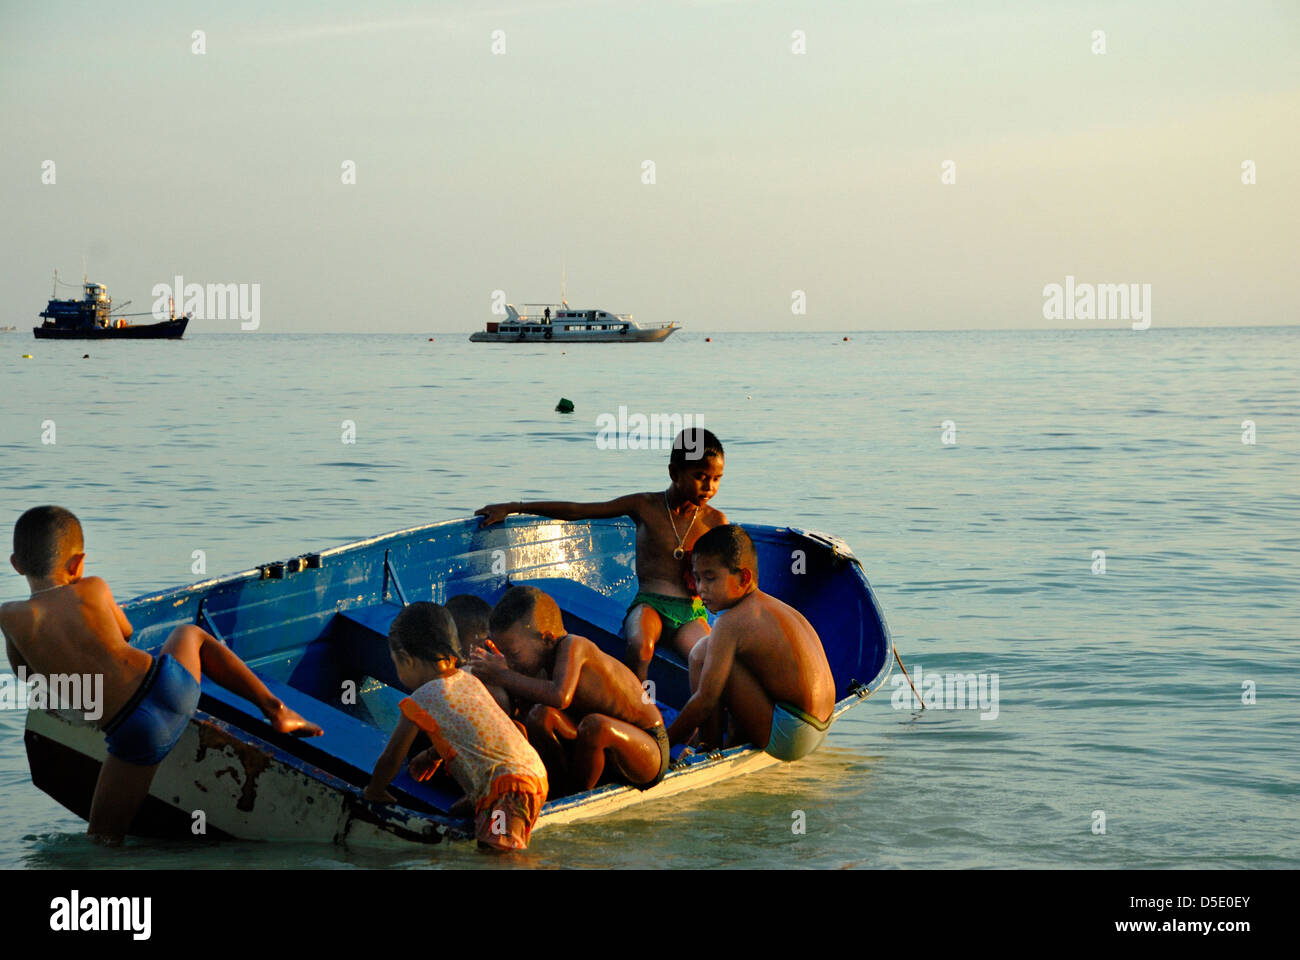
column 1120, row 692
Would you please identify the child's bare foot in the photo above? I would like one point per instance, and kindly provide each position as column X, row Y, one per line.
column 289, row 721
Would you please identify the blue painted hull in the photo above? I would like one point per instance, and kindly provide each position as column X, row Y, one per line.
column 314, row 629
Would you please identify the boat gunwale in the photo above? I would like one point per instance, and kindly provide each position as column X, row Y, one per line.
column 257, row 572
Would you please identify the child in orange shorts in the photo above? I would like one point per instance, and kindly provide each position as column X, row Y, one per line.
column 502, row 775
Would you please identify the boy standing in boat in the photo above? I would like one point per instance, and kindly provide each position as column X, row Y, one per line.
column 763, row 661
column 72, row 625
column 667, row 605
column 582, row 696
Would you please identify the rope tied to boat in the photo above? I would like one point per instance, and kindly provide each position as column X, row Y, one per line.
column 905, row 674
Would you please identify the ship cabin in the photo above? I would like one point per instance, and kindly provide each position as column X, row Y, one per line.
column 559, row 317
column 90, row 311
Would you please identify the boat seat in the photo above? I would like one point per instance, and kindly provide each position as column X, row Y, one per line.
column 348, row 748
column 580, row 601
column 377, row 618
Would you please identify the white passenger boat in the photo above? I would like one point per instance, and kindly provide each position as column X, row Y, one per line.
column 560, row 323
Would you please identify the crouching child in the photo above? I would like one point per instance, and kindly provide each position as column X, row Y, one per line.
column 503, row 777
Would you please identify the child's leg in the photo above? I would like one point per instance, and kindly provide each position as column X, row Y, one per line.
column 119, row 791
column 710, row 730
column 201, row 653
column 507, row 822
column 749, row 705
column 688, row 636
column 546, row 726
column 641, row 628
column 635, row 752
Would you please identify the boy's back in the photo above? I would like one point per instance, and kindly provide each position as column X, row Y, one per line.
column 77, row 629
column 779, row 646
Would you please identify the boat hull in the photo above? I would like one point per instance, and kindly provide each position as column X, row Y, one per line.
column 166, row 330
column 632, row 336
column 313, row 623
column 219, row 783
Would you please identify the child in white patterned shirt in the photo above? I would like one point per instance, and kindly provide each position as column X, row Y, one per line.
column 502, row 775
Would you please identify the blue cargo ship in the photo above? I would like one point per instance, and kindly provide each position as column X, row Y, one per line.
column 90, row 318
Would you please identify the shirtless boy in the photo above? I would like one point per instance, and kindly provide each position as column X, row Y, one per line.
column 581, row 695
column 471, row 614
column 72, row 625
column 668, row 523
column 763, row 661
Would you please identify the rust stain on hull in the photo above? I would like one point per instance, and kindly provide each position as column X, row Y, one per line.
column 254, row 762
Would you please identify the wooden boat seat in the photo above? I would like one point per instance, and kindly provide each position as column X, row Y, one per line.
column 348, row 748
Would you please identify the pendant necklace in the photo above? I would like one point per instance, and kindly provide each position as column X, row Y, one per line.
column 679, row 552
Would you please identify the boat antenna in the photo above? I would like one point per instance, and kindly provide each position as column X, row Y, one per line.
column 563, row 302
column 54, row 290
column 83, row 268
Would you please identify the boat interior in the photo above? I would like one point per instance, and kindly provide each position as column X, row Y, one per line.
column 315, row 628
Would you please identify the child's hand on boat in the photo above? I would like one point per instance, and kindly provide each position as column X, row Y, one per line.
column 378, row 794
column 494, row 513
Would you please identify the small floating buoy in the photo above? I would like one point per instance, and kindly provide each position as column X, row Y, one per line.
column 708, row 339
column 846, row 339
column 85, row 356
column 431, row 339
column 563, row 352
column 27, row 356
column 750, row 397
column 564, row 406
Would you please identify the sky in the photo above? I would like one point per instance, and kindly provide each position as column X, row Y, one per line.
column 775, row 171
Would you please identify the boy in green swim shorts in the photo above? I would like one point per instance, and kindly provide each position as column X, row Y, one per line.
column 763, row 661
column 668, row 522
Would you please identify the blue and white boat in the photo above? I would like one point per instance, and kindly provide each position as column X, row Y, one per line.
column 92, row 318
column 314, row 628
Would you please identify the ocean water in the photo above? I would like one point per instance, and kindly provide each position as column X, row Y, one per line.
column 1119, row 692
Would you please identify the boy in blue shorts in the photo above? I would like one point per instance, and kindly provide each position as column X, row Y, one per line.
column 72, row 625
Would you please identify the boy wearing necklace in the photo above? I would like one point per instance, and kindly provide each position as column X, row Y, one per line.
column 668, row 522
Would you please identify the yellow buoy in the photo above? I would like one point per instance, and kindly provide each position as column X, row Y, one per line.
column 27, row 356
